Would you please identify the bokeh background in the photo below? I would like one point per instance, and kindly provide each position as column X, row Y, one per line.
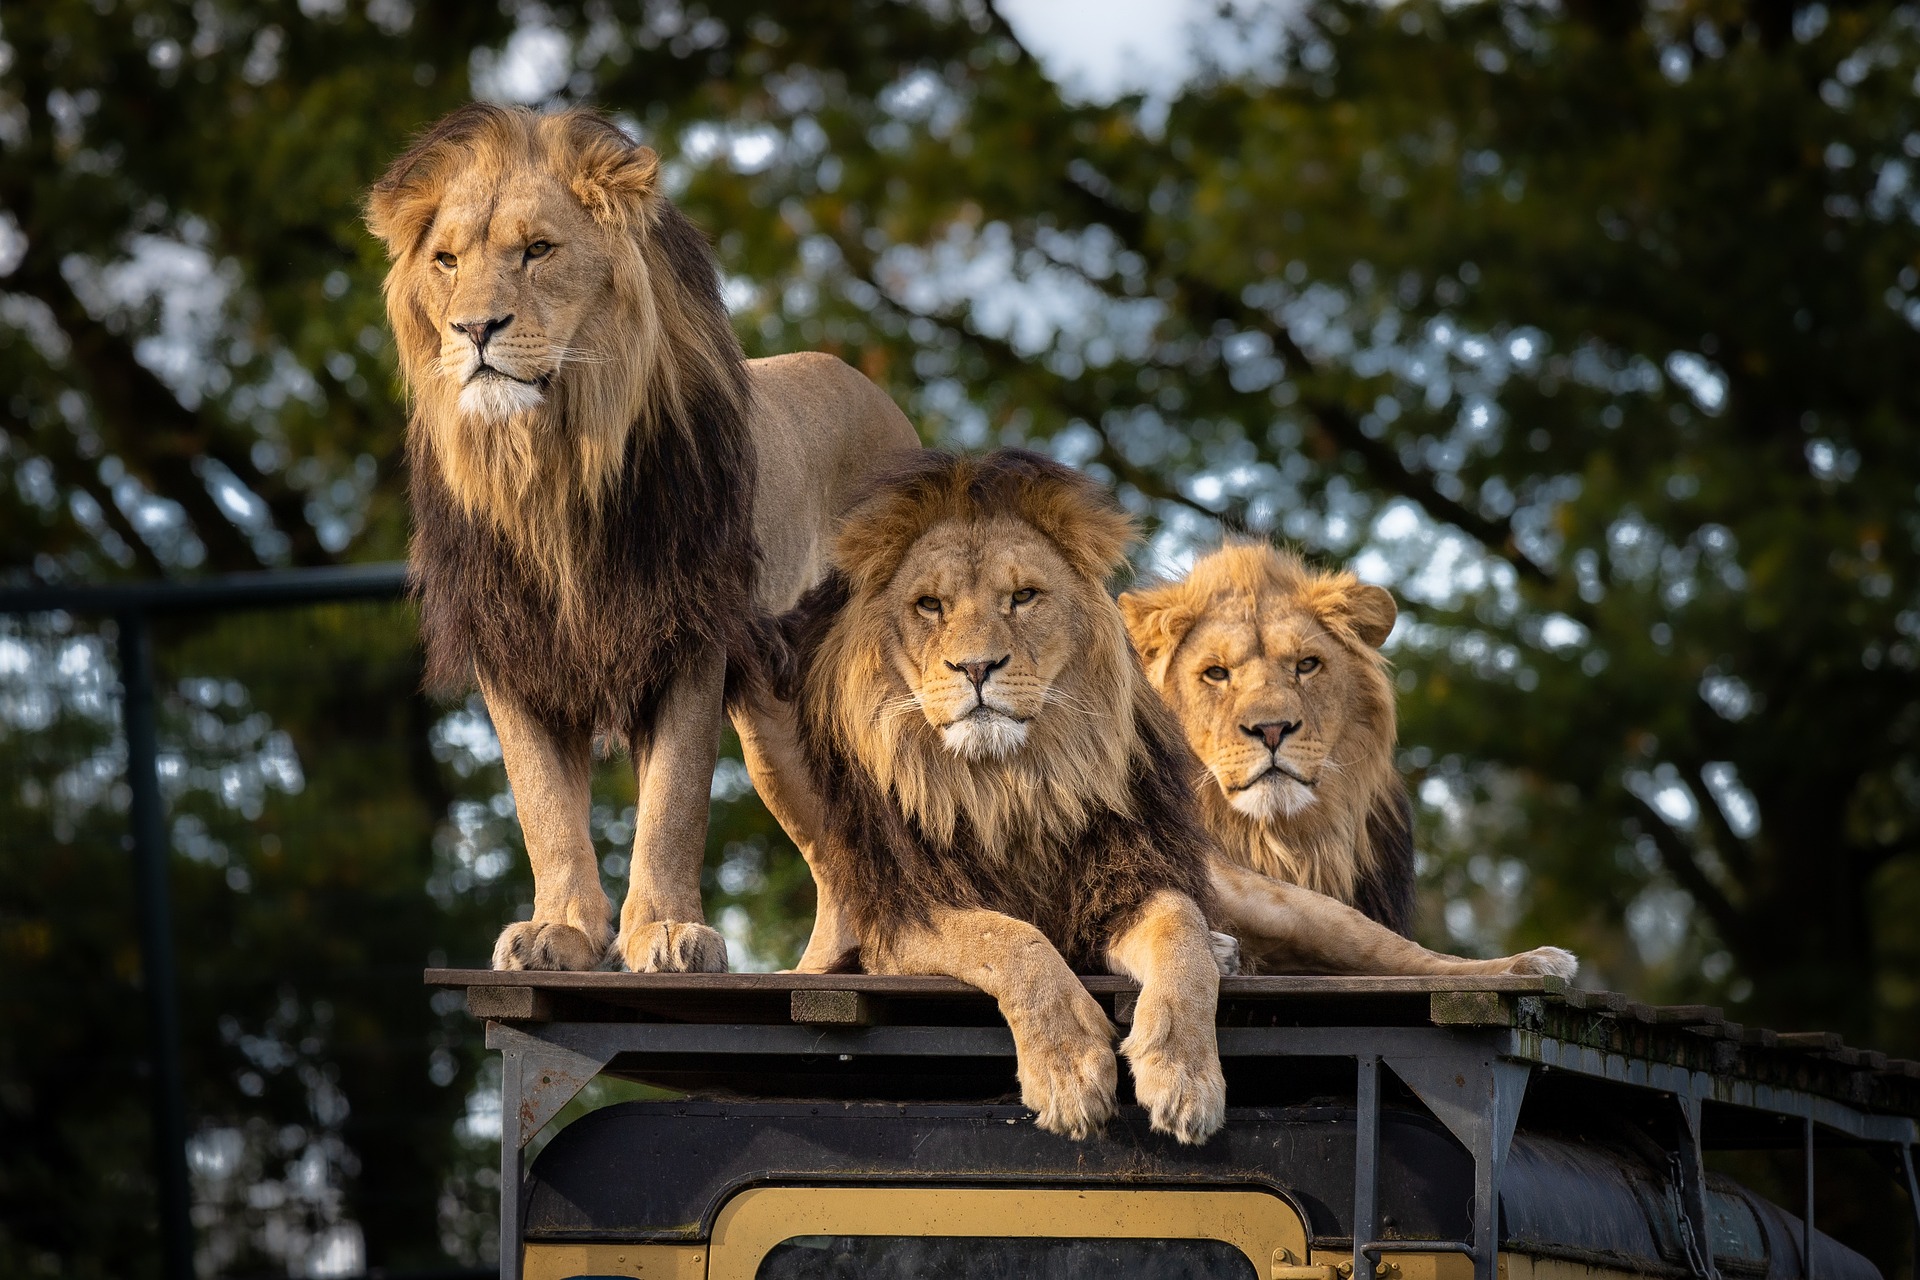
column 1588, row 327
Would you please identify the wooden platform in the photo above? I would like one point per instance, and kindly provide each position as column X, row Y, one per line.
column 1621, row 1036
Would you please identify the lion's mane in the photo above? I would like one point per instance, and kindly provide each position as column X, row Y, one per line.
column 1356, row 843
column 1074, row 832
column 579, row 554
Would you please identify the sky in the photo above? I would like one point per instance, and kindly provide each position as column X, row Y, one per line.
column 1103, row 48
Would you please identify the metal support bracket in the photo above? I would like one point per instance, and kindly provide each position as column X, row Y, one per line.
column 537, row 1079
column 1366, row 1165
column 1478, row 1099
column 1690, row 1188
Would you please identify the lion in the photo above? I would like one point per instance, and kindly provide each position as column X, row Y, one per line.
column 1005, row 794
column 609, row 503
column 1275, row 673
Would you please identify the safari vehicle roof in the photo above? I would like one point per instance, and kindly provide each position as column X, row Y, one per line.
column 1593, row 1109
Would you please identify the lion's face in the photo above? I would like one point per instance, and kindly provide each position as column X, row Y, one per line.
column 988, row 618
column 1273, row 672
column 510, row 275
column 1264, row 699
column 976, row 667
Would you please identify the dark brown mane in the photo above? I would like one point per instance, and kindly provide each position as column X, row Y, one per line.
column 667, row 569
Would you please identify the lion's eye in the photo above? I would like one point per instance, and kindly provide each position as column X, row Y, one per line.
column 446, row 260
column 927, row 604
column 1307, row 666
column 1024, row 594
column 539, row 249
column 1217, row 675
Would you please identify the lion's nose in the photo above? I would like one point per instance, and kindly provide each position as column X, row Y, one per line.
column 479, row 332
column 1271, row 732
column 979, row 671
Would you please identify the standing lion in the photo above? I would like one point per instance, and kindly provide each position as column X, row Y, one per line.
column 606, row 495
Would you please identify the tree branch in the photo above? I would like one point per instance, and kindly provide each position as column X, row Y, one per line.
column 1680, row 864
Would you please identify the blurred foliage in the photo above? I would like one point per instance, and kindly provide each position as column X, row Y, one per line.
column 1587, row 328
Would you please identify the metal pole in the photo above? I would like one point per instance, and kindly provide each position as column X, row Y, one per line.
column 1366, row 1164
column 147, row 840
column 1806, row 1223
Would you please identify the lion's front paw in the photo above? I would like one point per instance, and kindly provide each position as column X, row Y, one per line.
column 1180, row 1086
column 533, row 944
column 1549, row 962
column 667, row 947
column 1066, row 1067
column 1226, row 952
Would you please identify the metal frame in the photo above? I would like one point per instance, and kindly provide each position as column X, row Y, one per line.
column 133, row 605
column 1472, row 1078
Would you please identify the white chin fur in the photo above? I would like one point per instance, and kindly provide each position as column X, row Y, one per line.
column 497, row 399
column 1273, row 796
column 984, row 737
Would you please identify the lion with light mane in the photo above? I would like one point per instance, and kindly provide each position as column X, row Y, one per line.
column 1005, row 795
column 1275, row 673
column 607, row 499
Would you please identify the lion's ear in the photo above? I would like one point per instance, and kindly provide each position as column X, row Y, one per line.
column 1158, row 619
column 616, row 178
column 1371, row 612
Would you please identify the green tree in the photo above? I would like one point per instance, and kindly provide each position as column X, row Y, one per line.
column 1585, row 328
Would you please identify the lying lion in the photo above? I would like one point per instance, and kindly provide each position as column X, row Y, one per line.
column 1005, row 796
column 1274, row 672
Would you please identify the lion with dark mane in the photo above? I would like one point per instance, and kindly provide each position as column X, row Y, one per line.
column 606, row 497
column 1005, row 795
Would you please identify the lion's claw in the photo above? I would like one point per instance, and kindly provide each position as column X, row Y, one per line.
column 546, row 945
column 668, row 947
column 1226, row 952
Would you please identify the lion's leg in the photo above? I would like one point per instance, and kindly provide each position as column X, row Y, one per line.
column 1172, row 1049
column 551, row 775
column 769, row 743
column 1061, row 1036
column 662, row 926
column 1300, row 931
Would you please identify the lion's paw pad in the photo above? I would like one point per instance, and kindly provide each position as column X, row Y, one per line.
column 667, row 947
column 534, row 944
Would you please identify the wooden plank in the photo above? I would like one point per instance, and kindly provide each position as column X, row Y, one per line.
column 1471, row 1009
column 509, row 1004
column 1236, row 987
column 1689, row 1015
column 841, row 1008
column 1809, row 1041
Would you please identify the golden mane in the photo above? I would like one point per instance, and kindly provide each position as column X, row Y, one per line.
column 658, row 345
column 1067, row 771
column 1341, row 842
column 1072, row 831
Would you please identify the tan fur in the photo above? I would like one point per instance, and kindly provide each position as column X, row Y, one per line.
column 598, row 319
column 1064, row 1042
column 1258, row 613
column 1172, row 1050
column 616, row 337
column 1295, row 930
column 1068, row 669
column 1005, row 795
